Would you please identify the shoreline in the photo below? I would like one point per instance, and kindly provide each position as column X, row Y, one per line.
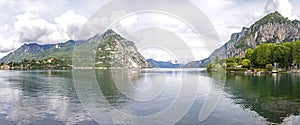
column 257, row 71
column 260, row 73
column 248, row 72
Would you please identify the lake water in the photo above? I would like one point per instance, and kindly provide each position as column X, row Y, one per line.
column 148, row 96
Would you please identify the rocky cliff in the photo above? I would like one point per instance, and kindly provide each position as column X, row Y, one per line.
column 115, row 51
column 273, row 28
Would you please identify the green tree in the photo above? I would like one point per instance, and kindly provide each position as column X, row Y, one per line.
column 233, row 60
column 235, row 64
column 224, row 65
column 269, row 67
column 296, row 52
column 271, row 47
column 262, row 55
column 210, row 67
column 287, row 55
column 249, row 54
column 278, row 54
column 246, row 63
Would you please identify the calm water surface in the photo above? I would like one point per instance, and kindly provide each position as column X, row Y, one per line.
column 49, row 97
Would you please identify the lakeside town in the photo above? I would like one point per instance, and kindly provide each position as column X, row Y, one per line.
column 49, row 63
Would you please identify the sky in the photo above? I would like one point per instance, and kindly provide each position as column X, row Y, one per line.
column 47, row 22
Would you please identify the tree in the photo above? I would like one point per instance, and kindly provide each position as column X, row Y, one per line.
column 224, row 65
column 210, row 67
column 296, row 52
column 271, row 47
column 278, row 54
column 287, row 55
column 249, row 54
column 262, row 55
column 246, row 63
column 269, row 67
column 233, row 60
column 235, row 64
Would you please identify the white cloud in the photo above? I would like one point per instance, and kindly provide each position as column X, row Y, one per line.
column 10, row 8
column 157, row 53
column 70, row 23
column 229, row 16
column 51, row 18
column 129, row 21
column 282, row 6
column 226, row 14
column 131, row 26
column 34, row 29
column 8, row 44
column 29, row 27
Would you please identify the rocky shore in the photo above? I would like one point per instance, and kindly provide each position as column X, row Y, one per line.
column 294, row 71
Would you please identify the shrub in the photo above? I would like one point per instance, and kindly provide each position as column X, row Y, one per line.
column 260, row 70
column 236, row 69
column 209, row 67
column 269, row 67
column 246, row 63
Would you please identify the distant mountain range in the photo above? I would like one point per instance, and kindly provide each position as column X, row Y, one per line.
column 273, row 28
column 161, row 64
column 112, row 51
column 35, row 51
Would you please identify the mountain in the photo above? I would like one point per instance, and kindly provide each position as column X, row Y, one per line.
column 26, row 51
column 273, row 28
column 196, row 64
column 161, row 64
column 34, row 51
column 115, row 51
column 112, row 50
column 62, row 51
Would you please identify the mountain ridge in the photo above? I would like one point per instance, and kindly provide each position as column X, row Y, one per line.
column 34, row 51
column 162, row 64
column 112, row 48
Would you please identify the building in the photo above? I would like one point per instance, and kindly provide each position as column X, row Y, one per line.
column 50, row 60
column 4, row 67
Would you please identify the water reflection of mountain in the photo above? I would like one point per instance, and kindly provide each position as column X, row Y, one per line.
column 138, row 91
column 58, row 83
column 273, row 97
